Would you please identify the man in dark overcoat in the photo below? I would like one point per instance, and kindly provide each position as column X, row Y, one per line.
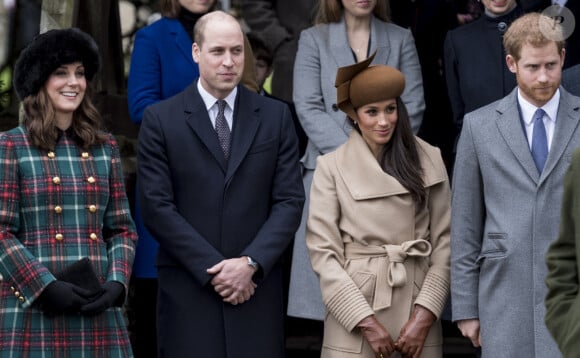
column 221, row 191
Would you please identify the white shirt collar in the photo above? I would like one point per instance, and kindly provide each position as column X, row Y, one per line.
column 528, row 109
column 210, row 100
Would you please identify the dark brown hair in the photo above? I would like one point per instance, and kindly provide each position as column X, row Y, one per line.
column 171, row 8
column 40, row 121
column 400, row 157
column 332, row 10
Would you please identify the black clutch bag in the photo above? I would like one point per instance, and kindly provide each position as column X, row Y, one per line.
column 82, row 274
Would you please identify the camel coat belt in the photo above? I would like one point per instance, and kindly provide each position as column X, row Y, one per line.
column 391, row 272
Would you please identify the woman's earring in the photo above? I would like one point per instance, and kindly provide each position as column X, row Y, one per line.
column 355, row 123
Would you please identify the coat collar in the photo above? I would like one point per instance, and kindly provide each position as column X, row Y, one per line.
column 510, row 128
column 341, row 50
column 180, row 38
column 365, row 179
column 245, row 125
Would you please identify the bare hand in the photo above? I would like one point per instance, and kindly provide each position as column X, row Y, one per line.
column 414, row 332
column 378, row 337
column 233, row 280
column 470, row 329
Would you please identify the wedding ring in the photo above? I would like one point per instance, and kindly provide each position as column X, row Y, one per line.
column 381, row 355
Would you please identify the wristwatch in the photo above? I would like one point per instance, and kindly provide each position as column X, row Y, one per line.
column 253, row 263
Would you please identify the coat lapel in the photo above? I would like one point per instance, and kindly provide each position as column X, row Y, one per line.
column 342, row 52
column 380, row 41
column 181, row 39
column 364, row 177
column 197, row 118
column 510, row 128
column 339, row 47
column 566, row 124
column 361, row 172
column 246, row 122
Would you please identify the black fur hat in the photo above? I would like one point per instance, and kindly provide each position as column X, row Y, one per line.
column 50, row 50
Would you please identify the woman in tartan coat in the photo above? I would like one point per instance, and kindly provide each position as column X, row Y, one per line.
column 62, row 198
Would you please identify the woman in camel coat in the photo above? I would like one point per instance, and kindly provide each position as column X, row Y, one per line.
column 378, row 226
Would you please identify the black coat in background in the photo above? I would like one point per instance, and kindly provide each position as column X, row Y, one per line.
column 203, row 209
column 475, row 65
column 430, row 20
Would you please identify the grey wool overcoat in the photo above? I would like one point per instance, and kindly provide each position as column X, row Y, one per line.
column 504, row 217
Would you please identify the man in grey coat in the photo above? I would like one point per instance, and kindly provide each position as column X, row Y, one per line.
column 507, row 192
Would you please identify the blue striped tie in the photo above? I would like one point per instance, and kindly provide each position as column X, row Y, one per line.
column 539, row 140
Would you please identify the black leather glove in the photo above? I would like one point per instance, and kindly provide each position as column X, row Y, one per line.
column 113, row 294
column 63, row 297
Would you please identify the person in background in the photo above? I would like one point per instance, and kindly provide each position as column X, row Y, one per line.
column 67, row 238
column 279, row 23
column 346, row 33
column 264, row 67
column 221, row 193
column 571, row 80
column 379, row 225
column 475, row 68
column 512, row 156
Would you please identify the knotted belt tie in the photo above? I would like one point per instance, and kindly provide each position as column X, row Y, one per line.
column 391, row 272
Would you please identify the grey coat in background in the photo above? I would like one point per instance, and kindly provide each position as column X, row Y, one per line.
column 504, row 217
column 571, row 80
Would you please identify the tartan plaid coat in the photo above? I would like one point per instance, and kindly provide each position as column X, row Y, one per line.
column 56, row 208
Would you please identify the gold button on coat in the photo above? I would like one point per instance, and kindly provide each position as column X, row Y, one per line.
column 56, row 180
column 58, row 209
column 21, row 299
column 91, row 180
column 51, row 154
column 93, row 236
column 12, row 288
column 92, row 208
column 17, row 294
column 59, row 237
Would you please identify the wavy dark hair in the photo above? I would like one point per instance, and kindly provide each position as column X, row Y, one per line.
column 40, row 121
column 400, row 156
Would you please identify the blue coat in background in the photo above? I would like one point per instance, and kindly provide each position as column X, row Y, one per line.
column 161, row 66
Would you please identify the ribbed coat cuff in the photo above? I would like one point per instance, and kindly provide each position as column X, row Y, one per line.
column 349, row 306
column 434, row 292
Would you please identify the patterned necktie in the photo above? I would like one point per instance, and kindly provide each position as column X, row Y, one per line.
column 222, row 129
column 539, row 140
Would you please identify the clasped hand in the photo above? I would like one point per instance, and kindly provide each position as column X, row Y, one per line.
column 64, row 297
column 414, row 332
column 411, row 338
column 233, row 280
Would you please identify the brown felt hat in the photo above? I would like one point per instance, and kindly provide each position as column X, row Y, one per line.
column 360, row 84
